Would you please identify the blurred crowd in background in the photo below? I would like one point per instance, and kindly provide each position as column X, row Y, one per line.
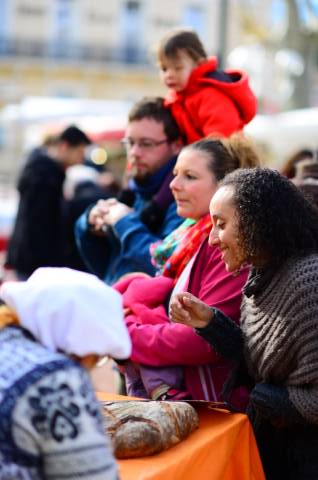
column 85, row 65
column 119, row 121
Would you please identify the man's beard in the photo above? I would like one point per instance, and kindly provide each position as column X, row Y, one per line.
column 142, row 178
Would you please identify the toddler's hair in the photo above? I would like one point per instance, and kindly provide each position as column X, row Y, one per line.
column 178, row 40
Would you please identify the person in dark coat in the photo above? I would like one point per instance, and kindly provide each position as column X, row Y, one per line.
column 37, row 239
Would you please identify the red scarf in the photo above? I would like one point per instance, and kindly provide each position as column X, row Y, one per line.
column 187, row 247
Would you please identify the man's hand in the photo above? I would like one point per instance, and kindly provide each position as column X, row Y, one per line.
column 116, row 212
column 97, row 215
column 187, row 309
column 107, row 212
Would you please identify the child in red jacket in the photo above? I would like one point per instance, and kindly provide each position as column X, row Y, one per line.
column 203, row 100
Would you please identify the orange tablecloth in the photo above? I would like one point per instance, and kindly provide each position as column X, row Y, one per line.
column 223, row 448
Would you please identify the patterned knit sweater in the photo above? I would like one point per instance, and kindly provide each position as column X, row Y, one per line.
column 280, row 324
column 50, row 422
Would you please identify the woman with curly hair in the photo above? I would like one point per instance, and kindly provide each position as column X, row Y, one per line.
column 260, row 218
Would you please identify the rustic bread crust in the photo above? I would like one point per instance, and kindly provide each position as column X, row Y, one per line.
column 142, row 428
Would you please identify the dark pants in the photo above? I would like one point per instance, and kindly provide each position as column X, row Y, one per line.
column 289, row 453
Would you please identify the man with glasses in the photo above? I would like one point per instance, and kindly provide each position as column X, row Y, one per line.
column 114, row 238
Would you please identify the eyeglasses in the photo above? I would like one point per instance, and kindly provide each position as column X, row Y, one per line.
column 144, row 143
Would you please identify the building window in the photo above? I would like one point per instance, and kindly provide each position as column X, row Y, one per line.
column 131, row 28
column 3, row 25
column 63, row 26
column 63, row 17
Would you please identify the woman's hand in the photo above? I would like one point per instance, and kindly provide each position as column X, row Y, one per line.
column 187, row 309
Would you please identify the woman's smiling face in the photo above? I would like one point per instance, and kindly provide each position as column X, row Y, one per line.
column 224, row 233
column 193, row 185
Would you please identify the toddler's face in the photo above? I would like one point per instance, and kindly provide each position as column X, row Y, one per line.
column 175, row 72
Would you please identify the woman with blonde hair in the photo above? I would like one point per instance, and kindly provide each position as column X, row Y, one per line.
column 184, row 365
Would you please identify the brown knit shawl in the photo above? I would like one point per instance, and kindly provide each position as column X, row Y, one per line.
column 280, row 324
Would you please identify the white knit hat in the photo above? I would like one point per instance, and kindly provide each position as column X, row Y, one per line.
column 70, row 311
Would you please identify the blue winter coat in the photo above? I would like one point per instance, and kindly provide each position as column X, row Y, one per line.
column 125, row 249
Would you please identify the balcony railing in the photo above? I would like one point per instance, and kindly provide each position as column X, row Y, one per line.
column 72, row 52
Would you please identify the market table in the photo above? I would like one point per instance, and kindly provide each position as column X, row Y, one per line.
column 222, row 448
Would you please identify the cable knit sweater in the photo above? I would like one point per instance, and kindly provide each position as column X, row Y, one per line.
column 278, row 335
column 279, row 320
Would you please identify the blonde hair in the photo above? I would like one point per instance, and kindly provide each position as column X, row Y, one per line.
column 226, row 154
column 242, row 150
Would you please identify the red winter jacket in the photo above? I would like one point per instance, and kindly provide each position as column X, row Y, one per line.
column 213, row 102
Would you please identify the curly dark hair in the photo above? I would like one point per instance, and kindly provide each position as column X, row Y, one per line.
column 275, row 221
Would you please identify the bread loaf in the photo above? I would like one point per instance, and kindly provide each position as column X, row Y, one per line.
column 141, row 428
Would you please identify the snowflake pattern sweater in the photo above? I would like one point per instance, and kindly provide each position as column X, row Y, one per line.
column 50, row 422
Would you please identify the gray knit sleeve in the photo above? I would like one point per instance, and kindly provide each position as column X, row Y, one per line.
column 224, row 335
column 58, row 419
